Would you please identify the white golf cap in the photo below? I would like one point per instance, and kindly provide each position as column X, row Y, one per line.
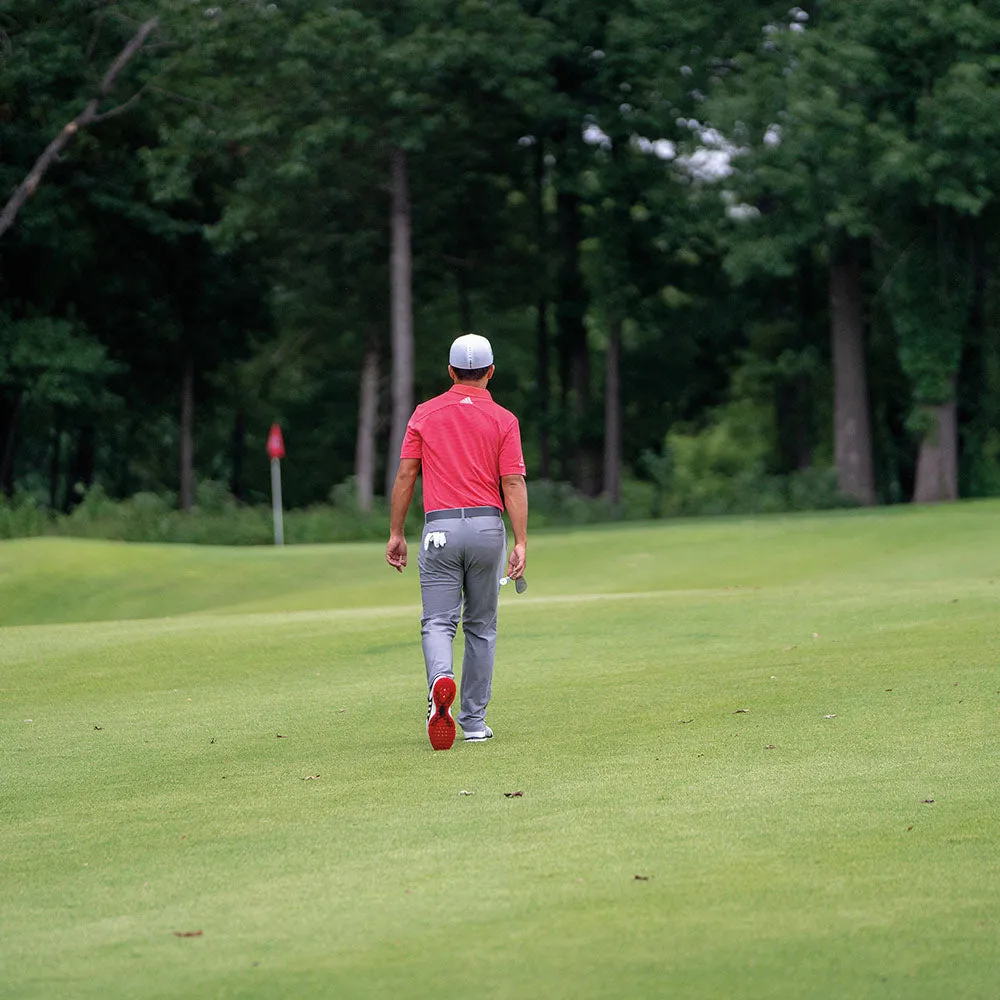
column 470, row 351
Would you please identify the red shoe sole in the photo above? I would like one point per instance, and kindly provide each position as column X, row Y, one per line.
column 441, row 726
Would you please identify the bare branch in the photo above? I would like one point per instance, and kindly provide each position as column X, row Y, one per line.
column 127, row 54
column 183, row 97
column 68, row 133
column 122, row 108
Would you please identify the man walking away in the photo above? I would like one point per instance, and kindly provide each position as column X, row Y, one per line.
column 467, row 448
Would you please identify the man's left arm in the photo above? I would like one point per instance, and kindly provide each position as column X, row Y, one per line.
column 515, row 494
column 402, row 494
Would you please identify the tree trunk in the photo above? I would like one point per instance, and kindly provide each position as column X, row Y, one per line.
column 851, row 421
column 239, row 449
column 55, row 462
column 122, row 483
column 544, row 392
column 81, row 473
column 937, row 461
column 187, row 436
column 574, row 356
column 613, row 417
column 10, row 408
column 542, row 328
column 364, row 454
column 402, row 313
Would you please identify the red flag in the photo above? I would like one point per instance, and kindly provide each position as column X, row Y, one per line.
column 275, row 442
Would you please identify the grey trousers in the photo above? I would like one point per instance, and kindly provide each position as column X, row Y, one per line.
column 468, row 564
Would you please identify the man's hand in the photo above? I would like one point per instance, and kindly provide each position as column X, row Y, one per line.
column 395, row 552
column 402, row 494
column 517, row 561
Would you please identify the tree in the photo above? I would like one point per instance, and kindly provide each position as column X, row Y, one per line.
column 795, row 109
column 402, row 309
column 52, row 363
column 90, row 115
column 91, row 250
column 878, row 109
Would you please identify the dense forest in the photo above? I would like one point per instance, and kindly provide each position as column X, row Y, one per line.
column 734, row 250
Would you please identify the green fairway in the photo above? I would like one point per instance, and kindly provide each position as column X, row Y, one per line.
column 756, row 759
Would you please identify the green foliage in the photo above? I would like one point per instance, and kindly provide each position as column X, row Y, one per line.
column 723, row 469
column 983, row 465
column 52, row 361
column 215, row 520
column 554, row 503
column 931, row 292
column 23, row 517
column 236, row 217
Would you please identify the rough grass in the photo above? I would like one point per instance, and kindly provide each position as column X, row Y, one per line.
column 181, row 702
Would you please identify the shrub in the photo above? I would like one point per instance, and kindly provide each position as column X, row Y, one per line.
column 707, row 473
column 212, row 496
column 722, row 469
column 551, row 503
column 22, row 517
column 640, row 500
column 816, row 489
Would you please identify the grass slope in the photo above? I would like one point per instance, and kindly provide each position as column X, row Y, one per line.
column 231, row 742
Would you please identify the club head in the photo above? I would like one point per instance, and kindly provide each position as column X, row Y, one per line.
column 521, row 585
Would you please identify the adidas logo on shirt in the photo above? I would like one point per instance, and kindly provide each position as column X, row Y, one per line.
column 467, row 400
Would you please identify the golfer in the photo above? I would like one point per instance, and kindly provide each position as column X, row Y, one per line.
column 467, row 448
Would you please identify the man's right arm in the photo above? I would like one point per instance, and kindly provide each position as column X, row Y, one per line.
column 515, row 494
column 402, row 494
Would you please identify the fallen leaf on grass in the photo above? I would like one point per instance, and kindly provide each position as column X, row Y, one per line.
column 465, row 791
column 741, row 711
column 640, row 878
column 829, row 716
column 927, row 802
column 310, row 777
column 909, row 828
column 513, row 795
column 770, row 746
column 684, row 722
column 279, row 736
column 98, row 727
column 188, row 933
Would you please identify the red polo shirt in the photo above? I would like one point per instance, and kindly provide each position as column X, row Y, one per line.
column 465, row 443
